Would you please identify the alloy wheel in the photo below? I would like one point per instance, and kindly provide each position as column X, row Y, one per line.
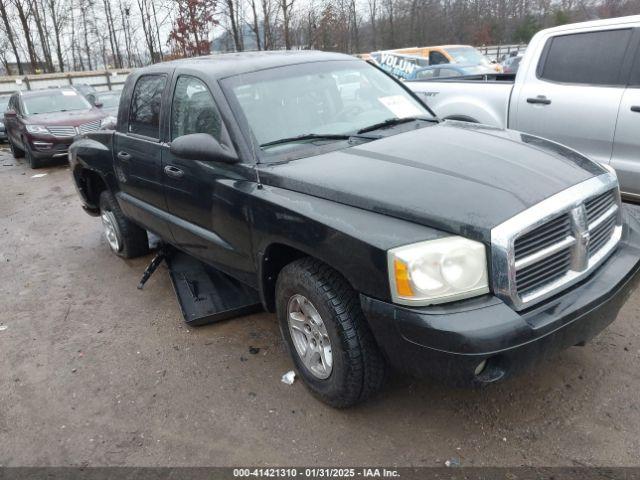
column 310, row 337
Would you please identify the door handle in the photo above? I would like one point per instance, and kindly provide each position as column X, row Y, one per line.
column 124, row 156
column 539, row 100
column 635, row 108
column 173, row 172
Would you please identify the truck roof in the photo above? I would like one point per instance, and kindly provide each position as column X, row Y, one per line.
column 632, row 19
column 230, row 64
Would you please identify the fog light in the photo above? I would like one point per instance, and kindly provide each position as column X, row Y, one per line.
column 480, row 367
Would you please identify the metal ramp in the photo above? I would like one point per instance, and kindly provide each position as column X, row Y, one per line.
column 205, row 294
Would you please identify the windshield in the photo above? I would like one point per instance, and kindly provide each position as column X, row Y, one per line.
column 467, row 55
column 332, row 98
column 109, row 100
column 55, row 101
column 4, row 101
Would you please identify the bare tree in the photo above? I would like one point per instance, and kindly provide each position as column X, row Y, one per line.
column 34, row 6
column 10, row 38
column 24, row 22
column 267, row 26
column 255, row 26
column 84, row 4
column 286, row 6
column 57, row 19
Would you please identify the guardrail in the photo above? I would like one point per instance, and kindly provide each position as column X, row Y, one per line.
column 100, row 79
column 496, row 52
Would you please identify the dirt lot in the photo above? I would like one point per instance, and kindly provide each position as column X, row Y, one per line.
column 95, row 372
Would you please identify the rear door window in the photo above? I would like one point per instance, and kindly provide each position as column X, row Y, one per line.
column 592, row 58
column 144, row 112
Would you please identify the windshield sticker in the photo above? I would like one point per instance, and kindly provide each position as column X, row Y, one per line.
column 400, row 106
column 69, row 93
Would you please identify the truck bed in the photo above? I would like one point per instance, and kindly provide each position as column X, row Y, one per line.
column 486, row 78
column 474, row 98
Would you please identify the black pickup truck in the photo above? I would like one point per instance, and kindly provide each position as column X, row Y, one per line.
column 378, row 234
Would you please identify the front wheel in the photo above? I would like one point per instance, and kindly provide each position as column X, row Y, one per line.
column 125, row 238
column 327, row 335
column 31, row 160
column 15, row 151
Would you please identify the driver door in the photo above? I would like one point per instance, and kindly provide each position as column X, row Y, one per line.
column 205, row 199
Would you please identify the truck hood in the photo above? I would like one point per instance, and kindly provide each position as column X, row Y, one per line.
column 457, row 177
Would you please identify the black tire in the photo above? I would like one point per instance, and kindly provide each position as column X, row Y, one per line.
column 359, row 369
column 31, row 160
column 132, row 239
column 15, row 151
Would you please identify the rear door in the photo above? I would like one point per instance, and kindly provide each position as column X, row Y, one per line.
column 626, row 149
column 138, row 154
column 574, row 94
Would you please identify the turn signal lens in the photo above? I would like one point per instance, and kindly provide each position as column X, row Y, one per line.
column 402, row 279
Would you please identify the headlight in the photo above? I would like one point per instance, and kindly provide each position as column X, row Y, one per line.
column 37, row 129
column 437, row 271
column 609, row 169
column 110, row 120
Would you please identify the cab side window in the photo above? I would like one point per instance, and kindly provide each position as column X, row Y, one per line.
column 144, row 112
column 592, row 58
column 193, row 109
column 634, row 81
column 436, row 58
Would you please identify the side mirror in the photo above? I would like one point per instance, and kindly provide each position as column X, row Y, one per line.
column 202, row 146
column 98, row 104
column 10, row 114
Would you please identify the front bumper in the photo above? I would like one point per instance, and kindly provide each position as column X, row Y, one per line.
column 449, row 342
column 50, row 147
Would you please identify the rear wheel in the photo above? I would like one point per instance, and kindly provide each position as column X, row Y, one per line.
column 15, row 151
column 125, row 238
column 327, row 335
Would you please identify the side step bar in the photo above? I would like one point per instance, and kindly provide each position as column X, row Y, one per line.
column 205, row 295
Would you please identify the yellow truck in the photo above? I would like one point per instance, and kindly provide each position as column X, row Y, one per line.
column 463, row 54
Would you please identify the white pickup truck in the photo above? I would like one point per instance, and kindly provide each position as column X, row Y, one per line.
column 577, row 84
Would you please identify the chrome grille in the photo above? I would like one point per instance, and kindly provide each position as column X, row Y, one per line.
column 550, row 268
column 598, row 205
column 89, row 127
column 557, row 242
column 540, row 238
column 601, row 234
column 543, row 254
column 62, row 130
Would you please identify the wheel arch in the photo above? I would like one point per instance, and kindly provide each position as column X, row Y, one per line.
column 273, row 259
column 90, row 185
column 461, row 118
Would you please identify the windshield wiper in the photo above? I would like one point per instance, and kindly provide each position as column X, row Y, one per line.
column 390, row 122
column 307, row 136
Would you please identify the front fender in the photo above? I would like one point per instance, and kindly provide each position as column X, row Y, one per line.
column 351, row 240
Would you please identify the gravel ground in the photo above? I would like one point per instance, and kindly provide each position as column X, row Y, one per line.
column 95, row 372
